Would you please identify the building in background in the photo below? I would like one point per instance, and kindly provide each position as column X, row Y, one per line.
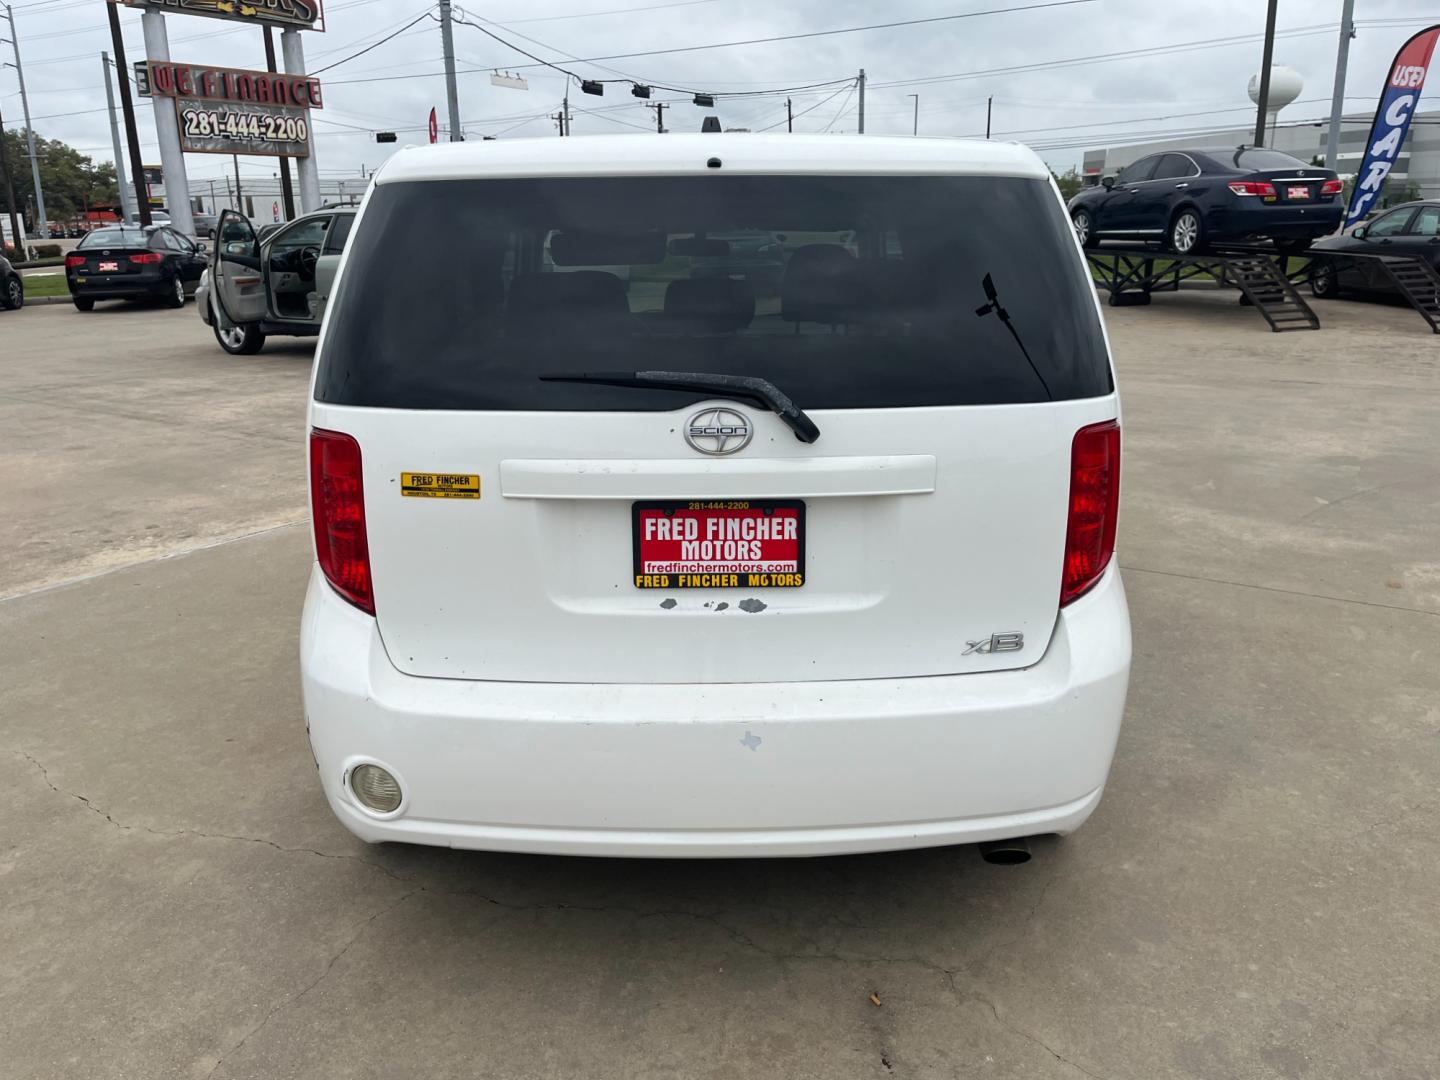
column 1416, row 169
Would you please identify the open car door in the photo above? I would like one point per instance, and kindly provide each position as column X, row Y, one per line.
column 237, row 281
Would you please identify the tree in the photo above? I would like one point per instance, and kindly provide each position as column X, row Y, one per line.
column 1070, row 183
column 71, row 181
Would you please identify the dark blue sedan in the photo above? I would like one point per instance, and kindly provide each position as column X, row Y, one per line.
column 1190, row 199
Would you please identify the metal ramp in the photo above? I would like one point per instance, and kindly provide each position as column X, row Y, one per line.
column 1131, row 274
column 1418, row 282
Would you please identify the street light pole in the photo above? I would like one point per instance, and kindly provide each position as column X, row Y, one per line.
column 915, row 126
column 1263, row 101
column 41, row 224
column 1342, row 61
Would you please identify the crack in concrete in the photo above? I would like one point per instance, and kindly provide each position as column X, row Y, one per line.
column 1028, row 1036
column 1131, row 569
column 89, row 804
column 294, row 999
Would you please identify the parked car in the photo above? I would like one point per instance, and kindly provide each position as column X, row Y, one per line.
column 1411, row 229
column 295, row 266
column 133, row 263
column 205, row 225
column 686, row 571
column 1191, row 199
column 12, row 286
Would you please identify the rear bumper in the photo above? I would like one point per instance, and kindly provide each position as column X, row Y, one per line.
column 118, row 288
column 733, row 769
column 1293, row 222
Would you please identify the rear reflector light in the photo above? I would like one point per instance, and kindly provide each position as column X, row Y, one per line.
column 147, row 257
column 1253, row 187
column 1333, row 187
column 1094, row 506
column 337, row 508
column 74, row 260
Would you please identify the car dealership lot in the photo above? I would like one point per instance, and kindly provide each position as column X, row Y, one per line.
column 1254, row 897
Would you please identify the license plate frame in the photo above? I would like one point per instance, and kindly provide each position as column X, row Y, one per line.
column 725, row 569
column 107, row 267
column 1297, row 192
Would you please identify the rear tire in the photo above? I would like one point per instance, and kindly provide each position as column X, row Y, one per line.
column 175, row 297
column 1186, row 235
column 14, row 295
column 84, row 303
column 246, row 340
column 1324, row 281
column 1084, row 223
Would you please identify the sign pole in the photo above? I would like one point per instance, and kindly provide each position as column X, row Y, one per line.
column 127, row 109
column 167, row 129
column 287, row 193
column 293, row 50
column 127, row 194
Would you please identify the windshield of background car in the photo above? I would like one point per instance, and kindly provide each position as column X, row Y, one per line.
column 113, row 238
column 846, row 292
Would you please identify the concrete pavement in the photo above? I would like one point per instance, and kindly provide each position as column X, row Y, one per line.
column 1255, row 898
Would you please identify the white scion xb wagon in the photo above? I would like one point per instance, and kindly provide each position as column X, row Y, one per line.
column 713, row 495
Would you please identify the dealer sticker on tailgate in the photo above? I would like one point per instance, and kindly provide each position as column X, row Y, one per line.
column 426, row 485
column 725, row 544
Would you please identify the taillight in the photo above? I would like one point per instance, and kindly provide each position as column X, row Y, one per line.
column 74, row 260
column 1094, row 506
column 147, row 257
column 337, row 508
column 1253, row 187
column 1332, row 187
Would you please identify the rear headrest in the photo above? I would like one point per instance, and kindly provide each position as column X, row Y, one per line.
column 716, row 305
column 563, row 303
column 821, row 284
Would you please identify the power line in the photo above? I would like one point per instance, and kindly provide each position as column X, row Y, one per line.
column 812, row 108
column 375, row 45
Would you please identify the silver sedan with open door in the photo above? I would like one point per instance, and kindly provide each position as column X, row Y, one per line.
column 280, row 284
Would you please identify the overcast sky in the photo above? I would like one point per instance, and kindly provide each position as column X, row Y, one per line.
column 1059, row 110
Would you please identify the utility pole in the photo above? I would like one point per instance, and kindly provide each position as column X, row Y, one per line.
column 127, row 194
column 1264, row 100
column 239, row 206
column 862, row 101
column 15, row 230
column 1337, row 105
column 127, row 108
column 915, row 126
column 41, row 223
column 287, row 193
column 452, row 95
column 659, row 108
column 562, row 118
column 989, row 109
column 789, row 116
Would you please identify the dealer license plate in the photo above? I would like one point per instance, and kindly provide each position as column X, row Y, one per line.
column 720, row 544
column 1297, row 191
column 108, row 267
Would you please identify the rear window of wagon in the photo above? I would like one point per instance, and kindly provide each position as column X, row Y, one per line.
column 845, row 291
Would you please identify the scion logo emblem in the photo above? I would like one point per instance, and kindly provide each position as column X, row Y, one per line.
column 718, row 431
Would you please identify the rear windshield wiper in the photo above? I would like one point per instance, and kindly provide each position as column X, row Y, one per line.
column 749, row 388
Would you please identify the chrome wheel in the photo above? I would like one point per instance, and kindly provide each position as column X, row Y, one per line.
column 1081, row 221
column 179, row 290
column 14, row 294
column 1322, row 281
column 1185, row 233
column 233, row 339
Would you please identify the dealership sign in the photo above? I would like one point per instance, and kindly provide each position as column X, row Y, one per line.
column 237, row 111
column 1392, row 120
column 291, row 14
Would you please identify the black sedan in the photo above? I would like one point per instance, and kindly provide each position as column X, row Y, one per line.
column 130, row 263
column 1412, row 229
column 1189, row 199
column 12, row 289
